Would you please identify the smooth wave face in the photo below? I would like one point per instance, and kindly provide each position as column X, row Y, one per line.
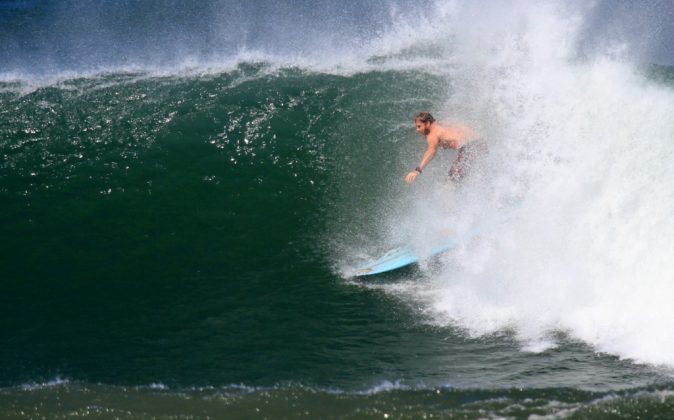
column 147, row 219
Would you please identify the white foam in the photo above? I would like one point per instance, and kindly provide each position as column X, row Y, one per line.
column 36, row 386
column 582, row 190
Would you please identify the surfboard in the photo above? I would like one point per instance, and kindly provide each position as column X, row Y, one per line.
column 403, row 257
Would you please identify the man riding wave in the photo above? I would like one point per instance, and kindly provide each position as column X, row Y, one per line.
column 454, row 136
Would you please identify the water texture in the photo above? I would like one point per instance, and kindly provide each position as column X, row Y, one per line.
column 185, row 191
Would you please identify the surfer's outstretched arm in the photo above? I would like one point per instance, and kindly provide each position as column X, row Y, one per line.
column 433, row 143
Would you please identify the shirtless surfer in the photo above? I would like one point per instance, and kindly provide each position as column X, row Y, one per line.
column 454, row 136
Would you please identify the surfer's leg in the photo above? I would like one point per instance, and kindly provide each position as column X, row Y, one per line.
column 457, row 171
column 469, row 156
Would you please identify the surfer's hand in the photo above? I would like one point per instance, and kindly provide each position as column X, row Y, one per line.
column 411, row 177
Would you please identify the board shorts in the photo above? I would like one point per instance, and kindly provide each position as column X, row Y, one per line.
column 469, row 156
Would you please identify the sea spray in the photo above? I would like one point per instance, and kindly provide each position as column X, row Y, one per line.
column 580, row 194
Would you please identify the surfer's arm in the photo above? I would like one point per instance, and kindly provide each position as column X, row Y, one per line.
column 433, row 143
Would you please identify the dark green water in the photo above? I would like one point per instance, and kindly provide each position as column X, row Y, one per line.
column 162, row 220
column 169, row 247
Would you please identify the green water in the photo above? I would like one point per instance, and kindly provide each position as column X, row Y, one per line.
column 169, row 249
column 161, row 220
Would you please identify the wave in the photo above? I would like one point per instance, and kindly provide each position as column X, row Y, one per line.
column 579, row 188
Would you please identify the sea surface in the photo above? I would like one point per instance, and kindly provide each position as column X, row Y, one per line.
column 186, row 191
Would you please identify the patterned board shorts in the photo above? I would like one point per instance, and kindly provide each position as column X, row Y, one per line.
column 468, row 157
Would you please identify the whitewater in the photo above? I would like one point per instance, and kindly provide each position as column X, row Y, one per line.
column 579, row 193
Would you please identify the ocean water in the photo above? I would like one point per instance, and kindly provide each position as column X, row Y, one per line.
column 186, row 190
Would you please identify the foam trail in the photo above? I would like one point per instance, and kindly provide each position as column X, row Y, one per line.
column 582, row 189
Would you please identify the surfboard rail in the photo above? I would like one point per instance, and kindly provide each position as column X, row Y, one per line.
column 402, row 257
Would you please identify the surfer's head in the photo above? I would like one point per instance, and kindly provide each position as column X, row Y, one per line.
column 423, row 123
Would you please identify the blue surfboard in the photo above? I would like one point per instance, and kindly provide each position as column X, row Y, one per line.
column 402, row 257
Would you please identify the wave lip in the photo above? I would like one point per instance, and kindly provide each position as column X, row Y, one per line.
column 325, row 37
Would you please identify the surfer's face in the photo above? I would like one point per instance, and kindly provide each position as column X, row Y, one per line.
column 423, row 127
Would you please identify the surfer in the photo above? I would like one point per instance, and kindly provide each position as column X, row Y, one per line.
column 454, row 136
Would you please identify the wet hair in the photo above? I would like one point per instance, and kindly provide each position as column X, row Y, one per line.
column 425, row 117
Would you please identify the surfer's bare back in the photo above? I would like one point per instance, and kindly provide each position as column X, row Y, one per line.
column 454, row 136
